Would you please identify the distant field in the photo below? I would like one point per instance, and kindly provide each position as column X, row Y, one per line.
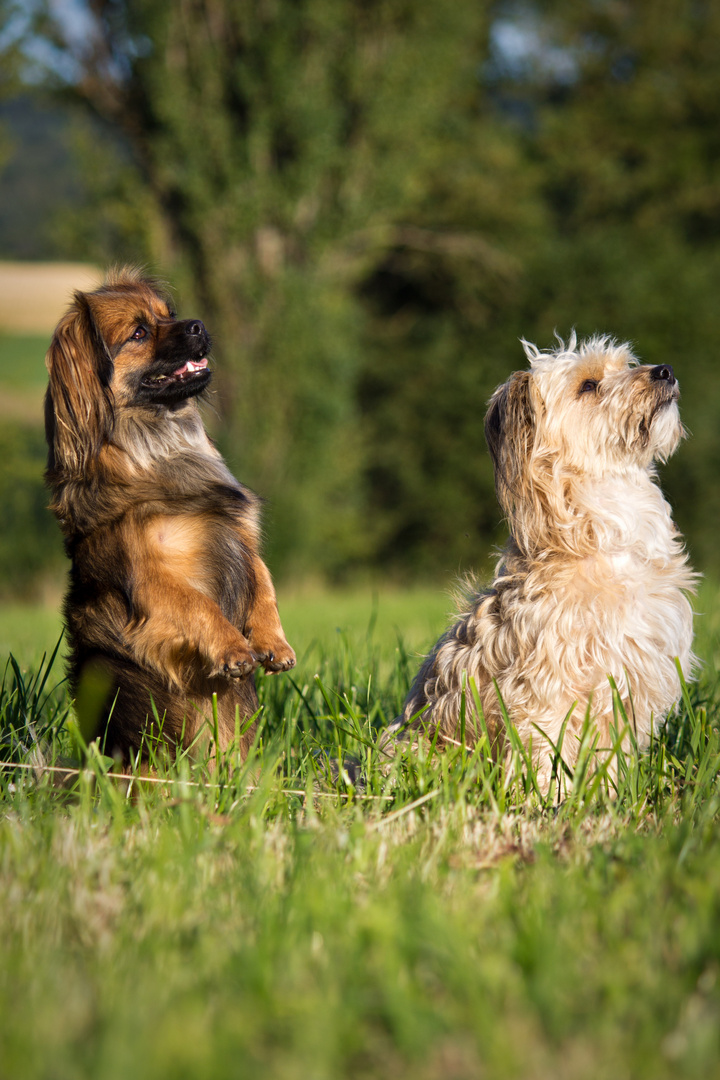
column 22, row 377
column 322, row 619
column 316, row 621
column 33, row 296
column 22, row 361
column 29, row 630
column 381, row 614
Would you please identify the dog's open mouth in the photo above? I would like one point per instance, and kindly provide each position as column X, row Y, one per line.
column 187, row 371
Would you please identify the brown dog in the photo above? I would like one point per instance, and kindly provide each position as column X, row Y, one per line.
column 169, row 600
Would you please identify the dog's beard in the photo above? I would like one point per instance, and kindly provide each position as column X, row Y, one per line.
column 665, row 429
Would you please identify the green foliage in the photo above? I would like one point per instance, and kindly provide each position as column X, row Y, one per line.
column 113, row 218
column 627, row 152
column 305, row 443
column 22, row 364
column 38, row 175
column 30, row 542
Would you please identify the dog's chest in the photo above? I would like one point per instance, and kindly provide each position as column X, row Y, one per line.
column 620, row 608
column 625, row 615
column 640, row 605
column 207, row 552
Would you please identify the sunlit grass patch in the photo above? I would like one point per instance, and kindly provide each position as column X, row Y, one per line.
column 441, row 918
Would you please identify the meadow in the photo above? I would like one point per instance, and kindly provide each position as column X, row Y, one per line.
column 382, row 200
column 444, row 921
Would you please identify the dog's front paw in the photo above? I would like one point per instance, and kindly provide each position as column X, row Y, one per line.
column 236, row 663
column 277, row 656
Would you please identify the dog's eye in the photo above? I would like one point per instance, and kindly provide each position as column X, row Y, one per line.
column 589, row 386
column 139, row 333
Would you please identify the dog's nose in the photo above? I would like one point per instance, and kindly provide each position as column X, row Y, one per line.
column 195, row 329
column 663, row 372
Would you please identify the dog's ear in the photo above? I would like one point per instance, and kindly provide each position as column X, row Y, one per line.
column 78, row 402
column 510, row 435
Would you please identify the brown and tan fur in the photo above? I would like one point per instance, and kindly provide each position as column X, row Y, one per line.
column 594, row 580
column 169, row 600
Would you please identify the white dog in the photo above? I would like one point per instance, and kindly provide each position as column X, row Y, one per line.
column 594, row 579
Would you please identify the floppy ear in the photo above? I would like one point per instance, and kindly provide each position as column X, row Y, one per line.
column 510, row 434
column 78, row 402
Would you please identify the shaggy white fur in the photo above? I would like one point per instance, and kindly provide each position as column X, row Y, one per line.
column 594, row 580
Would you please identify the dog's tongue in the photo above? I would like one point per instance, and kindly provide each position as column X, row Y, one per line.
column 190, row 367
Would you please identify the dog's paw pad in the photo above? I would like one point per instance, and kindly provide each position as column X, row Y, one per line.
column 237, row 665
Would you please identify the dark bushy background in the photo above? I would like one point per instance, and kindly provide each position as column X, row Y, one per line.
column 369, row 203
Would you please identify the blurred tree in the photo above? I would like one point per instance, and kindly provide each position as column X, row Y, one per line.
column 113, row 218
column 621, row 112
column 371, row 202
column 306, row 155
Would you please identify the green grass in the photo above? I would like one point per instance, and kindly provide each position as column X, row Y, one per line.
column 23, row 379
column 262, row 922
column 29, row 630
column 22, row 361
